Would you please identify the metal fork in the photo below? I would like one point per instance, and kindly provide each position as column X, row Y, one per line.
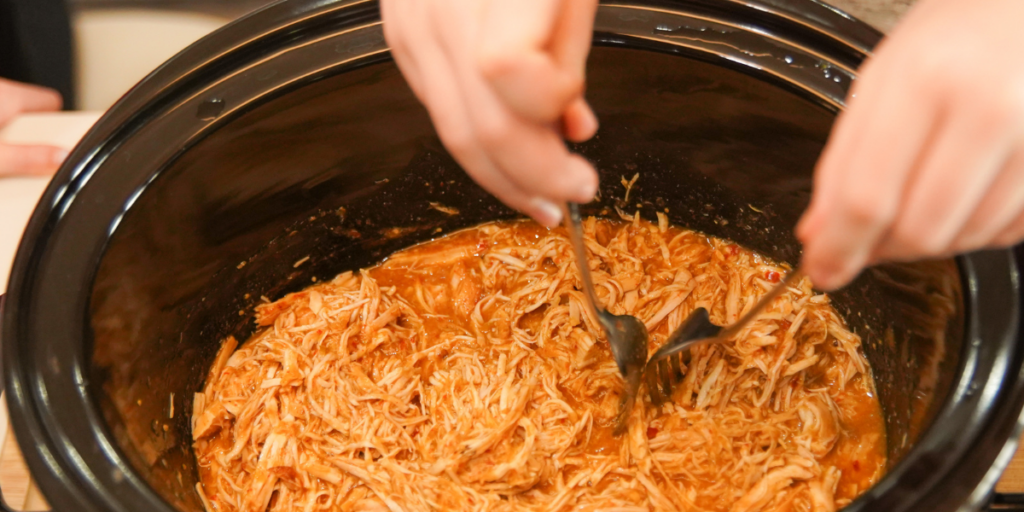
column 664, row 371
column 627, row 335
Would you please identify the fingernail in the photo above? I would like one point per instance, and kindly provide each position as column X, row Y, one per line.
column 827, row 284
column 546, row 212
column 587, row 192
column 800, row 231
column 59, row 156
column 807, row 225
column 831, row 279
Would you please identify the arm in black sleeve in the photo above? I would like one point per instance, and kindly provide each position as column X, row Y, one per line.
column 35, row 44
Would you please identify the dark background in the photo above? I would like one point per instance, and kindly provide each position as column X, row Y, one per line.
column 230, row 8
column 35, row 44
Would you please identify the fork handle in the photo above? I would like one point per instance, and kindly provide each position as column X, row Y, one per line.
column 766, row 299
column 573, row 224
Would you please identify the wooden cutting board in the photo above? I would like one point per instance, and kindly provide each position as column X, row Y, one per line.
column 19, row 491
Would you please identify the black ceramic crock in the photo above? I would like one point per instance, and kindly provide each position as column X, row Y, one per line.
column 286, row 148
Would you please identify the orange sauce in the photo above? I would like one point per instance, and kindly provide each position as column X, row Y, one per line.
column 860, row 452
column 455, row 287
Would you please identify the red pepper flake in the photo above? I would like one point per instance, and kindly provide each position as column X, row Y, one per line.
column 731, row 250
column 856, row 465
column 652, row 432
column 772, row 276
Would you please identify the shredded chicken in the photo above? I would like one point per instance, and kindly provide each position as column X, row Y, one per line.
column 466, row 374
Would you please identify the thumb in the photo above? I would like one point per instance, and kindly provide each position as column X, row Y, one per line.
column 519, row 57
column 24, row 160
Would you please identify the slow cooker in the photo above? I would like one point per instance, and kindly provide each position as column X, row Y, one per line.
column 289, row 136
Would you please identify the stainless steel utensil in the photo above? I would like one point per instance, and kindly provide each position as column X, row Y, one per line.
column 664, row 370
column 627, row 335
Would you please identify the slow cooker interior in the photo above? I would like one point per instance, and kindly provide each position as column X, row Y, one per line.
column 344, row 170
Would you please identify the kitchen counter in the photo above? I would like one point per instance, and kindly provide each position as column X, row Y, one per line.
column 18, row 198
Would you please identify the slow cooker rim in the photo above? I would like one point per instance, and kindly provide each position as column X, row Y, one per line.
column 119, row 121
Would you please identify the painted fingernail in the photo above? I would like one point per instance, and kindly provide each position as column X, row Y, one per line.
column 546, row 212
column 59, row 156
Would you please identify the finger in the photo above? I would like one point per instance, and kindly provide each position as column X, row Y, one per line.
column 491, row 179
column 20, row 98
column 839, row 148
column 454, row 128
column 847, row 142
column 958, row 169
column 862, row 175
column 532, row 155
column 443, row 97
column 1012, row 234
column 514, row 58
column 574, row 34
column 399, row 29
column 448, row 113
column 997, row 211
column 23, row 160
column 848, row 139
column 579, row 122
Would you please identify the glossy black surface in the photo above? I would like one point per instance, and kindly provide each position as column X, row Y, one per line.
column 291, row 134
column 227, row 8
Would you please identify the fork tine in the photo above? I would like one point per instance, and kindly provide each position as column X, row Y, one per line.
column 666, row 378
column 663, row 376
column 633, row 377
column 651, row 374
column 622, row 417
column 677, row 371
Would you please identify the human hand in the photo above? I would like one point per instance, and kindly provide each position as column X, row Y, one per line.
column 15, row 159
column 928, row 159
column 503, row 82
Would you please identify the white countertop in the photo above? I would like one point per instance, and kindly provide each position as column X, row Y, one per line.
column 18, row 196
